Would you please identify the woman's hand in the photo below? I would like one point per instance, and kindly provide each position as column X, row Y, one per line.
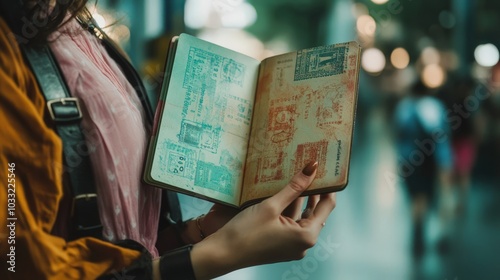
column 262, row 234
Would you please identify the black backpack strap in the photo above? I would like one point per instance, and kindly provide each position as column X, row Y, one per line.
column 66, row 115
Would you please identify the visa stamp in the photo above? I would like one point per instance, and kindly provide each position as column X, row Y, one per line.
column 230, row 161
column 321, row 62
column 282, row 118
column 200, row 81
column 312, row 151
column 281, row 123
column 178, row 160
column 200, row 135
column 214, row 177
column 202, row 67
column 238, row 111
column 329, row 113
column 233, row 72
column 270, row 168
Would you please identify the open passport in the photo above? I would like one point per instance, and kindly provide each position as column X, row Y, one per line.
column 234, row 130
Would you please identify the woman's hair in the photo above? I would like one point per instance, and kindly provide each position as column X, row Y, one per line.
column 52, row 13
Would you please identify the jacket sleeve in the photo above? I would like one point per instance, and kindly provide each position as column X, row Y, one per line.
column 31, row 188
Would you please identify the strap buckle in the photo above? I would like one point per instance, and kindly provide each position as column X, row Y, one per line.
column 84, row 211
column 65, row 109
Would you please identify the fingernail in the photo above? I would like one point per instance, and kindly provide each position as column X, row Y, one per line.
column 310, row 168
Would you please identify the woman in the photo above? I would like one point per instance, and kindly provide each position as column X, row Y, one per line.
column 424, row 158
column 31, row 151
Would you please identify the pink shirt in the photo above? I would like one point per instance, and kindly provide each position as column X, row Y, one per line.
column 114, row 127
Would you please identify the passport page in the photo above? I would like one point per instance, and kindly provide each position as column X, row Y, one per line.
column 304, row 111
column 204, row 127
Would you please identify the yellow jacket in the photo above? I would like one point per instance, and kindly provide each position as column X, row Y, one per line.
column 33, row 187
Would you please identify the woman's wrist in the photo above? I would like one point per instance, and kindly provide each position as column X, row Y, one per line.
column 193, row 231
column 221, row 259
column 218, row 263
column 209, row 259
column 175, row 236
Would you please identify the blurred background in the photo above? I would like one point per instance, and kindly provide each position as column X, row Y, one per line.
column 451, row 46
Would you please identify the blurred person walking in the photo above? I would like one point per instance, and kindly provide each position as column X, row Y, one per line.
column 467, row 128
column 424, row 159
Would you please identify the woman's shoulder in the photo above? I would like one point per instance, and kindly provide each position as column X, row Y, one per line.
column 11, row 59
column 22, row 105
column 17, row 80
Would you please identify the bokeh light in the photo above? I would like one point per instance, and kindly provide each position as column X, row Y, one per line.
column 242, row 16
column 430, row 55
column 99, row 19
column 366, row 25
column 235, row 39
column 380, row 2
column 433, row 76
column 373, row 60
column 197, row 13
column 400, row 58
column 119, row 33
column 486, row 55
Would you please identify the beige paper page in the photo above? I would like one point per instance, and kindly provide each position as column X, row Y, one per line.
column 304, row 111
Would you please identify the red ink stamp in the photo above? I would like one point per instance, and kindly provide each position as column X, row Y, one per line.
column 329, row 113
column 270, row 168
column 353, row 61
column 282, row 118
column 312, row 151
column 281, row 123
